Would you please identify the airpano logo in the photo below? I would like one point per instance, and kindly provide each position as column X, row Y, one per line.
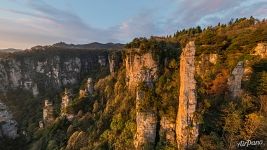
column 248, row 143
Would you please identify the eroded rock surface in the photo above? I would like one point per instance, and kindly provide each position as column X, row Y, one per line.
column 65, row 103
column 167, row 128
column 37, row 74
column 139, row 68
column 234, row 81
column 115, row 60
column 186, row 126
column 8, row 126
column 48, row 113
column 146, row 122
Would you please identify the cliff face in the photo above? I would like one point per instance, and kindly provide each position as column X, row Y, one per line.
column 146, row 122
column 142, row 69
column 234, row 81
column 8, row 126
column 46, row 70
column 115, row 60
column 139, row 68
column 167, row 128
column 48, row 113
column 186, row 127
column 36, row 73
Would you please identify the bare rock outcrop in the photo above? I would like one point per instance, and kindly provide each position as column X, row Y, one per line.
column 65, row 103
column 48, row 113
column 261, row 50
column 234, row 81
column 115, row 60
column 186, row 125
column 139, row 68
column 146, row 122
column 38, row 74
column 167, row 129
column 8, row 126
column 90, row 86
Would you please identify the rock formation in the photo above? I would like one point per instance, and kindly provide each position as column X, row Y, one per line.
column 234, row 81
column 66, row 101
column 261, row 50
column 146, row 122
column 186, row 126
column 142, row 68
column 48, row 113
column 102, row 60
column 37, row 74
column 90, row 86
column 8, row 126
column 115, row 59
column 139, row 68
column 167, row 129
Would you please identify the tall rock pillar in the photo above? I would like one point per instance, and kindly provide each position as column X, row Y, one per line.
column 234, row 81
column 186, row 126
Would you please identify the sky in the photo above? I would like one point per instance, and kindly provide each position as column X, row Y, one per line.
column 27, row 23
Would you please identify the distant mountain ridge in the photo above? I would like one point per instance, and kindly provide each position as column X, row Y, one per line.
column 10, row 50
column 94, row 45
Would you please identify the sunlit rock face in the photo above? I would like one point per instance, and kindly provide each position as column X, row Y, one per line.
column 8, row 126
column 65, row 103
column 261, row 50
column 186, row 126
column 235, row 79
column 142, row 69
column 167, row 129
column 48, row 113
column 139, row 68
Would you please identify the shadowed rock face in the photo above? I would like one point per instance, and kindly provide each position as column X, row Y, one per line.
column 8, row 126
column 186, row 127
column 37, row 73
column 234, row 81
column 115, row 60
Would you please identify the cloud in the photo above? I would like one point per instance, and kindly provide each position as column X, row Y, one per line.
column 42, row 23
column 191, row 13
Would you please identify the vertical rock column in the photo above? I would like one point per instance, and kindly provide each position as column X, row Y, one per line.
column 146, row 122
column 48, row 113
column 234, row 82
column 90, row 86
column 142, row 68
column 115, row 59
column 66, row 101
column 186, row 126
